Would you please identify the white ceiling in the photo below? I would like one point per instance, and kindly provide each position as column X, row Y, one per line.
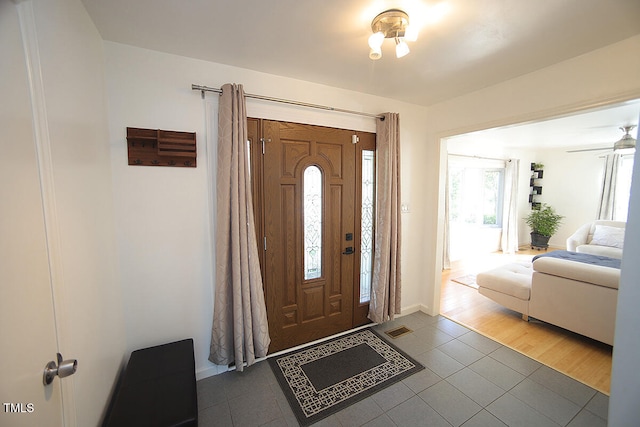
column 474, row 44
column 464, row 45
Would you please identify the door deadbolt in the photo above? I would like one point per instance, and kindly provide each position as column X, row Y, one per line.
column 63, row 368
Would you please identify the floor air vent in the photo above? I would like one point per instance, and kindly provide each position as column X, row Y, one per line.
column 397, row 332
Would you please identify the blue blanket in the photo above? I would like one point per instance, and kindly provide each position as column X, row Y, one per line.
column 586, row 258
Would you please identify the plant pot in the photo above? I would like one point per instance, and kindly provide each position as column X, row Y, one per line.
column 539, row 241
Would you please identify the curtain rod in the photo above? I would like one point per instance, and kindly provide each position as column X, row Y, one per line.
column 204, row 89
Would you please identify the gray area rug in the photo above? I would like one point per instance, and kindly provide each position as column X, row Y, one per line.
column 327, row 377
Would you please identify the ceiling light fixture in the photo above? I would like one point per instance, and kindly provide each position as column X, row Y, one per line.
column 391, row 24
column 401, row 48
column 627, row 141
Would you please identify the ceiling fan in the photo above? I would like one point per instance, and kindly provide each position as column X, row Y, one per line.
column 627, row 143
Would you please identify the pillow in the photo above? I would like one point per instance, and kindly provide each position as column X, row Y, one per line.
column 605, row 235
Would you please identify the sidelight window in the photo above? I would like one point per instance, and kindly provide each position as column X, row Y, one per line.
column 312, row 209
column 366, row 244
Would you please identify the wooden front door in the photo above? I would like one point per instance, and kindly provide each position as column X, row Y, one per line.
column 310, row 213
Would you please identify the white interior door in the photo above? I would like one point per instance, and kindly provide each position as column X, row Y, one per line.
column 27, row 326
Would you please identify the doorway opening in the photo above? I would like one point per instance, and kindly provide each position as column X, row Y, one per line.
column 572, row 149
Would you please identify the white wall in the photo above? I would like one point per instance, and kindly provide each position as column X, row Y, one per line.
column 163, row 214
column 579, row 83
column 571, row 185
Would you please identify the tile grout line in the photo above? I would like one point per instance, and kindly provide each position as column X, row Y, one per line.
column 417, row 324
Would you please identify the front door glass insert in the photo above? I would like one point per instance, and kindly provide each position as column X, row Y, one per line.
column 312, row 223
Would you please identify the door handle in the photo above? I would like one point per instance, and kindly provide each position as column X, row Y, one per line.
column 63, row 368
column 348, row 251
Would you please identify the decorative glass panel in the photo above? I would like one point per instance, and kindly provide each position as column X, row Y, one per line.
column 366, row 245
column 312, row 180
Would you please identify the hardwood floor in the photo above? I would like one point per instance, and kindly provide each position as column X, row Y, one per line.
column 581, row 358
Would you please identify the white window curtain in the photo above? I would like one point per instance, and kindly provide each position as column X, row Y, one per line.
column 240, row 332
column 509, row 239
column 607, row 205
column 386, row 283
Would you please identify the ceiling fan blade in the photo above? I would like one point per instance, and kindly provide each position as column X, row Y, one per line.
column 589, row 149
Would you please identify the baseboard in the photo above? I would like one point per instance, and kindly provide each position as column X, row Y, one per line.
column 210, row 371
column 415, row 308
column 527, row 247
column 219, row 369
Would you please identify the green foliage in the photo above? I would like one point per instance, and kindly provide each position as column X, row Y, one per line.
column 544, row 221
column 489, row 220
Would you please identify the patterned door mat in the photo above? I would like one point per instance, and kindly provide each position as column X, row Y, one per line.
column 322, row 379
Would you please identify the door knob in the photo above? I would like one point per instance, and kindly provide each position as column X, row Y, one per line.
column 348, row 251
column 63, row 368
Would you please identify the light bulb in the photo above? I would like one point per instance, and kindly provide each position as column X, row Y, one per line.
column 375, row 40
column 401, row 48
column 375, row 53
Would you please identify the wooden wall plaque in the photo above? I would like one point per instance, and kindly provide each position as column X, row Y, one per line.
column 155, row 147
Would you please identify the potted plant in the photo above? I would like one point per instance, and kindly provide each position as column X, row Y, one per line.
column 544, row 223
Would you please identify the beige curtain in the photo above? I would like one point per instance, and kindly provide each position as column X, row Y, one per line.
column 240, row 333
column 385, row 286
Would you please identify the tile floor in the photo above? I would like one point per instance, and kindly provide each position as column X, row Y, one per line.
column 469, row 381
